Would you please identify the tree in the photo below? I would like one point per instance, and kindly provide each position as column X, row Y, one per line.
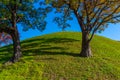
column 24, row 12
column 92, row 16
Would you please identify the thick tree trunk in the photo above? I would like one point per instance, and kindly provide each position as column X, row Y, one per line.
column 15, row 36
column 85, row 49
column 16, row 46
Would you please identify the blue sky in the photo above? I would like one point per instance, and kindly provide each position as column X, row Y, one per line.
column 112, row 32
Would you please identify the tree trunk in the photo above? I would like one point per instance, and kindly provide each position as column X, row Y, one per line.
column 16, row 46
column 85, row 49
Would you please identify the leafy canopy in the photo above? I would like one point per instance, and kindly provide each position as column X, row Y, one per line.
column 92, row 15
column 27, row 14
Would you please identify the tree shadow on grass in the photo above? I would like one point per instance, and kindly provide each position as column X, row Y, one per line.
column 48, row 40
column 7, row 48
column 5, row 53
column 5, row 56
column 39, row 47
column 46, row 49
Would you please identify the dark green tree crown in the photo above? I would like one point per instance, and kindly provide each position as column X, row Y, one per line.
column 27, row 13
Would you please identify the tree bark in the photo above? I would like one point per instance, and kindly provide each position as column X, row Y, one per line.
column 15, row 35
column 16, row 46
column 85, row 49
column 16, row 42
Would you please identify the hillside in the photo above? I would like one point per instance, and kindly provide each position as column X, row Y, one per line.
column 55, row 57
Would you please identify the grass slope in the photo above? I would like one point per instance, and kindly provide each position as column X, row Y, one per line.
column 55, row 57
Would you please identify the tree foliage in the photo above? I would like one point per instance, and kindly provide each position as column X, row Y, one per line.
column 25, row 13
column 92, row 16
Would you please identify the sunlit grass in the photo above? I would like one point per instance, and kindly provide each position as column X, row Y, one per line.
column 56, row 57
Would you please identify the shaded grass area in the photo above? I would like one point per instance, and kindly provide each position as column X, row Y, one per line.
column 56, row 57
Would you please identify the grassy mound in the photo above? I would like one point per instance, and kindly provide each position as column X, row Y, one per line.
column 56, row 57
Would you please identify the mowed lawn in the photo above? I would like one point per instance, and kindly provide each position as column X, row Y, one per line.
column 56, row 57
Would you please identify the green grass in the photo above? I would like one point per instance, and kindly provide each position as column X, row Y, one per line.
column 56, row 57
